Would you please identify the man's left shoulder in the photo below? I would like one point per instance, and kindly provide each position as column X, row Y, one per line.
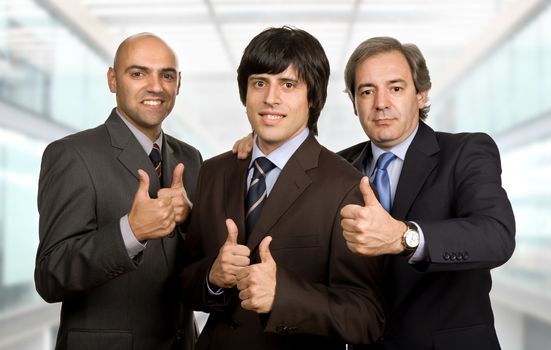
column 336, row 166
column 182, row 147
column 463, row 137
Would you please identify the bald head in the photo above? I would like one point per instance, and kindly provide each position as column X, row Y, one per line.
column 146, row 80
column 147, row 39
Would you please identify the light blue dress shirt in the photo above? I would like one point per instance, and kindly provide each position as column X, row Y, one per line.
column 280, row 156
column 394, row 170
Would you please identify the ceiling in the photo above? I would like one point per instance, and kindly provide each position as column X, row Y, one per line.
column 210, row 35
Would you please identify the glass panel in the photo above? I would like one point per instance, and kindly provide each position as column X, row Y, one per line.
column 19, row 170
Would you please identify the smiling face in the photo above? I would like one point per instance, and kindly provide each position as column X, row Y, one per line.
column 386, row 100
column 146, row 81
column 277, row 107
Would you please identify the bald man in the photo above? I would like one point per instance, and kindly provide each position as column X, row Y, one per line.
column 112, row 202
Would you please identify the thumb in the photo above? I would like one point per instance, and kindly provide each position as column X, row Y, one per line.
column 177, row 176
column 232, row 232
column 264, row 250
column 367, row 192
column 143, row 187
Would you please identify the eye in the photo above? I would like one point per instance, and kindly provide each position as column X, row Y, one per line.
column 137, row 74
column 289, row 85
column 169, row 76
column 366, row 92
column 259, row 83
column 396, row 88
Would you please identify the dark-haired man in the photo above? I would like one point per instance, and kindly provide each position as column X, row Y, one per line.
column 448, row 220
column 442, row 219
column 273, row 268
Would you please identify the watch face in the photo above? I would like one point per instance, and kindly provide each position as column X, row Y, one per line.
column 412, row 239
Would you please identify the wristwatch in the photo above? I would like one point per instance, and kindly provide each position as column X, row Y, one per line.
column 410, row 238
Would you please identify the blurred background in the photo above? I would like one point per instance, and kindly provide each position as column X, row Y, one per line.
column 490, row 62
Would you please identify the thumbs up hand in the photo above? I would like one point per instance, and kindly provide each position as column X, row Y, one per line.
column 177, row 195
column 150, row 218
column 370, row 230
column 231, row 258
column 257, row 282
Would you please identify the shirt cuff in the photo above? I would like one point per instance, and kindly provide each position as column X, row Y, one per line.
column 420, row 253
column 133, row 246
column 214, row 290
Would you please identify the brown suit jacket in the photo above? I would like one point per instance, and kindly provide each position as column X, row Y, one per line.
column 325, row 295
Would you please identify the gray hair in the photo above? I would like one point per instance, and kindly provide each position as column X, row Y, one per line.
column 378, row 45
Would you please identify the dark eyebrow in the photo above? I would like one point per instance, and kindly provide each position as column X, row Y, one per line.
column 365, row 85
column 261, row 76
column 135, row 66
column 138, row 67
column 394, row 81
column 169, row 70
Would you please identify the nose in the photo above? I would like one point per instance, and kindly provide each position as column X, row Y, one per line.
column 272, row 95
column 154, row 83
column 381, row 100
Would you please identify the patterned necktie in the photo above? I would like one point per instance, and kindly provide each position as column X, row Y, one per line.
column 381, row 181
column 257, row 191
column 155, row 157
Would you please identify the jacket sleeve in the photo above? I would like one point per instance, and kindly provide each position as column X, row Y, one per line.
column 193, row 278
column 74, row 254
column 481, row 231
column 348, row 306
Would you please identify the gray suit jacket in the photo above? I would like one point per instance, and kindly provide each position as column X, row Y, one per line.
column 325, row 295
column 87, row 183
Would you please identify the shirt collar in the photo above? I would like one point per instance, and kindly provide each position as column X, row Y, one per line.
column 281, row 155
column 399, row 150
column 144, row 141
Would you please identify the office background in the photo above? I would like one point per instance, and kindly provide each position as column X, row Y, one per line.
column 490, row 61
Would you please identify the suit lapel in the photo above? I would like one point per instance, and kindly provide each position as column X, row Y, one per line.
column 419, row 163
column 132, row 155
column 234, row 195
column 361, row 160
column 290, row 184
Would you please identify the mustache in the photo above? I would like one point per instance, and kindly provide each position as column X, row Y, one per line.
column 156, row 95
column 383, row 114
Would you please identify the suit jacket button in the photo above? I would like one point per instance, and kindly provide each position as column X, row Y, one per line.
column 234, row 324
column 446, row 256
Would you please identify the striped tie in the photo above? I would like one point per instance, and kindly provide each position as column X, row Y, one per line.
column 257, row 191
column 155, row 157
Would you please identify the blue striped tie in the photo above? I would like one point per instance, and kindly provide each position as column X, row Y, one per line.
column 257, row 191
column 381, row 181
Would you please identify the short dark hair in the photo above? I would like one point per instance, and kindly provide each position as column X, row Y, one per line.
column 384, row 44
column 274, row 50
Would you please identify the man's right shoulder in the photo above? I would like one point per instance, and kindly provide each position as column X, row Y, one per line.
column 351, row 153
column 86, row 139
column 84, row 135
